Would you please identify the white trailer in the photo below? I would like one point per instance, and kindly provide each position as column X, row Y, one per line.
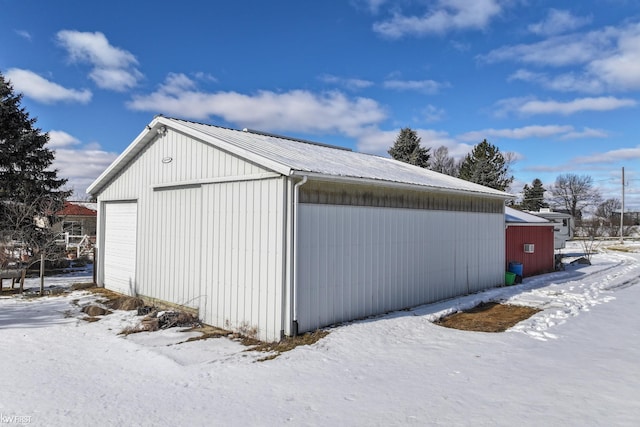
column 563, row 226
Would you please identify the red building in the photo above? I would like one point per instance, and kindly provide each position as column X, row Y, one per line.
column 529, row 242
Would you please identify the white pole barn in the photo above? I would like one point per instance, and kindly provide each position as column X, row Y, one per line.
column 261, row 232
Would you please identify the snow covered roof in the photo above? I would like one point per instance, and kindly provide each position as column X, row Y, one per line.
column 515, row 216
column 293, row 157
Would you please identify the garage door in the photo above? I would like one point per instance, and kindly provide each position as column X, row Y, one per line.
column 120, row 246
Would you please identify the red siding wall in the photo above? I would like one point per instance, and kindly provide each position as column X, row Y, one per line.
column 542, row 260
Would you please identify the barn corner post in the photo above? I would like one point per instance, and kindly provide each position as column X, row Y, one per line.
column 296, row 197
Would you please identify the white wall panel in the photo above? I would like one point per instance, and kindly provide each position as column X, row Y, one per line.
column 216, row 247
column 172, row 270
column 359, row 261
column 242, row 244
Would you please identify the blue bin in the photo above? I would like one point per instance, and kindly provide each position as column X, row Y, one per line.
column 516, row 268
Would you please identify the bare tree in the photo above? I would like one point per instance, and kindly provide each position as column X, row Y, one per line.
column 440, row 161
column 25, row 228
column 606, row 213
column 589, row 235
column 574, row 193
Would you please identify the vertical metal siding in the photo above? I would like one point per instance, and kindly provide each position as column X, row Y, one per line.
column 174, row 267
column 242, row 255
column 218, row 247
column 542, row 260
column 360, row 261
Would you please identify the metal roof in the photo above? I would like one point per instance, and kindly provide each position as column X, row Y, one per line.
column 290, row 156
column 519, row 217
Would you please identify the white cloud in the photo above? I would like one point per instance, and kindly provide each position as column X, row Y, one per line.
column 557, row 51
column 444, row 16
column 205, row 77
column 348, row 83
column 115, row 79
column 603, row 103
column 372, row 6
column 113, row 68
column 568, row 82
column 613, row 156
column 294, row 111
column 621, row 68
column 586, row 133
column 606, row 59
column 43, row 90
column 532, row 106
column 24, row 34
column 557, row 22
column 432, row 113
column 426, row 86
column 59, row 139
column 81, row 174
column 95, row 49
column 535, row 131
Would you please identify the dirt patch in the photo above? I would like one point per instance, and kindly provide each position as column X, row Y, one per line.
column 488, row 317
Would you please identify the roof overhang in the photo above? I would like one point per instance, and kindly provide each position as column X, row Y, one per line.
column 400, row 185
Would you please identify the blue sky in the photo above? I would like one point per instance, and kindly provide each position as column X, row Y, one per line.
column 554, row 82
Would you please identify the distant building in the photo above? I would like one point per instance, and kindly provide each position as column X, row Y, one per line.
column 76, row 224
column 530, row 241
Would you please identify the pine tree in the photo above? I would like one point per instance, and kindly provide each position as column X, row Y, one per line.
column 485, row 165
column 407, row 149
column 533, row 197
column 29, row 188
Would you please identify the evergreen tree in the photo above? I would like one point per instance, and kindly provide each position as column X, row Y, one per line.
column 485, row 165
column 29, row 188
column 407, row 149
column 533, row 197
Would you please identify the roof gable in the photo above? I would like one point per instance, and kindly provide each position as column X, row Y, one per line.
column 289, row 156
column 76, row 209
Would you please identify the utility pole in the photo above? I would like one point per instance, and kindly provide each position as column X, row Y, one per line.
column 622, row 211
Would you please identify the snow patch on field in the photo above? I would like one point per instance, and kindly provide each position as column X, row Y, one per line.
column 574, row 363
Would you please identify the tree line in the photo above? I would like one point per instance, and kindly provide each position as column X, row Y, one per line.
column 486, row 165
column 31, row 191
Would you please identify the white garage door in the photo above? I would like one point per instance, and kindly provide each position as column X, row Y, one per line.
column 120, row 246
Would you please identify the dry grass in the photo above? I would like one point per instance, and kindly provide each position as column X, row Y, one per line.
column 82, row 286
column 621, row 248
column 206, row 332
column 125, row 303
column 286, row 344
column 488, row 317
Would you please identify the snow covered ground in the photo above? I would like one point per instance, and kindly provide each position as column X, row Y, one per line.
column 576, row 363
